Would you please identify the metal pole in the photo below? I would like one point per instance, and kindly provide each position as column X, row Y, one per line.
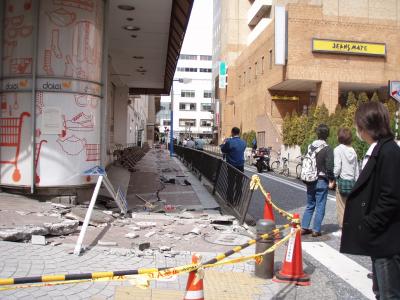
column 396, row 126
column 85, row 225
column 266, row 268
column 35, row 11
column 171, row 138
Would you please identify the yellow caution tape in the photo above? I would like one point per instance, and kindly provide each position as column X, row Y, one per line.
column 255, row 184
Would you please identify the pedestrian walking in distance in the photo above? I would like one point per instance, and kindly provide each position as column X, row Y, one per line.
column 317, row 173
column 233, row 148
column 371, row 224
column 346, row 170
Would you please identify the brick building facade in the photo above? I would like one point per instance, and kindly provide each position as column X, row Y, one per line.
column 260, row 93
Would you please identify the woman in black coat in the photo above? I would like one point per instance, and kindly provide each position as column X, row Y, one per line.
column 371, row 223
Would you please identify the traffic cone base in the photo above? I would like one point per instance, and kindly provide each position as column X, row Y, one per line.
column 303, row 280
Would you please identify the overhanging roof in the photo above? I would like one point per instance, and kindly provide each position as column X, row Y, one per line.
column 156, row 44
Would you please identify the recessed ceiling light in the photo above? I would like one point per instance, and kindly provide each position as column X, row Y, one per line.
column 131, row 28
column 134, row 36
column 129, row 19
column 126, row 7
column 138, row 57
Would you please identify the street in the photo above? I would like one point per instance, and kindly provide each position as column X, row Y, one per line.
column 347, row 272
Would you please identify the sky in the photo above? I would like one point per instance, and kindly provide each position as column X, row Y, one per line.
column 198, row 38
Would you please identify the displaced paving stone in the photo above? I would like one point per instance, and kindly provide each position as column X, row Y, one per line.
column 186, row 215
column 131, row 235
column 38, row 240
column 149, row 234
column 165, row 248
column 144, row 225
column 64, row 228
column 144, row 246
column 104, row 243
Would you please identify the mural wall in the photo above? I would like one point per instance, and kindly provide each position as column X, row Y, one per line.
column 68, row 85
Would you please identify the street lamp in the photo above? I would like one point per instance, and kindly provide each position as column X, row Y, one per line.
column 171, row 140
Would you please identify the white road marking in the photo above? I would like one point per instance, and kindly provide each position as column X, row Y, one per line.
column 287, row 182
column 342, row 266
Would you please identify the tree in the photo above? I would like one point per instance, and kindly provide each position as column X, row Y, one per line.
column 286, row 129
column 362, row 98
column 351, row 99
column 375, row 97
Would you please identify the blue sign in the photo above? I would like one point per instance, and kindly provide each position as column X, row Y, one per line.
column 95, row 171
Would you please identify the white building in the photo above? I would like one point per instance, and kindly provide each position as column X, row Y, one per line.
column 192, row 98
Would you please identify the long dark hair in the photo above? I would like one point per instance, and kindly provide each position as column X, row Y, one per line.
column 374, row 118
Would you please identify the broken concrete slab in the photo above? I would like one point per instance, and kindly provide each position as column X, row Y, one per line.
column 63, row 228
column 21, row 234
column 97, row 217
column 38, row 240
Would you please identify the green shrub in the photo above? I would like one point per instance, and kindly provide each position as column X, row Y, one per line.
column 300, row 130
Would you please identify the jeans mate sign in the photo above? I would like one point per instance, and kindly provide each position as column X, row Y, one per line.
column 394, row 90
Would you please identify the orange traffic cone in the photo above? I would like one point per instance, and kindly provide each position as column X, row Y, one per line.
column 292, row 269
column 194, row 286
column 268, row 212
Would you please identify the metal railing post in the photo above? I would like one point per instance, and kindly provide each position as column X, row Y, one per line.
column 217, row 176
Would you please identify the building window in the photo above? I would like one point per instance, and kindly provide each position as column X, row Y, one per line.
column 240, row 81
column 205, row 106
column 244, row 78
column 205, row 57
column 188, row 94
column 249, row 74
column 187, row 106
column 186, row 69
column 166, row 122
column 205, row 70
column 188, row 57
column 262, row 65
column 255, row 70
column 270, row 58
column 207, row 94
column 206, row 123
column 187, row 122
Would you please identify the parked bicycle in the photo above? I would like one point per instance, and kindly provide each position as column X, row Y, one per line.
column 281, row 166
column 299, row 166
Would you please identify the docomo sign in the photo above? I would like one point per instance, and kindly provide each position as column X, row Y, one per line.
column 394, row 90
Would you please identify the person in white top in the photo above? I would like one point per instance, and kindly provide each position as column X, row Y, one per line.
column 346, row 170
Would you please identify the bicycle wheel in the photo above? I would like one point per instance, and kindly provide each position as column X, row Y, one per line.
column 275, row 166
column 298, row 170
column 285, row 171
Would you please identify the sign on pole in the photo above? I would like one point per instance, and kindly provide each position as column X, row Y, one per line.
column 117, row 196
column 394, row 90
column 222, row 75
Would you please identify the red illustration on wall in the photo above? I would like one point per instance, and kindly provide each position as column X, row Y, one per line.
column 10, row 136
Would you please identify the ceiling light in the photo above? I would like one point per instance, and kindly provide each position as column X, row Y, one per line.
column 129, row 19
column 134, row 36
column 138, row 57
column 126, row 7
column 131, row 28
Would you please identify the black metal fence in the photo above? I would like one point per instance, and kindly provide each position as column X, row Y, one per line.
column 231, row 185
